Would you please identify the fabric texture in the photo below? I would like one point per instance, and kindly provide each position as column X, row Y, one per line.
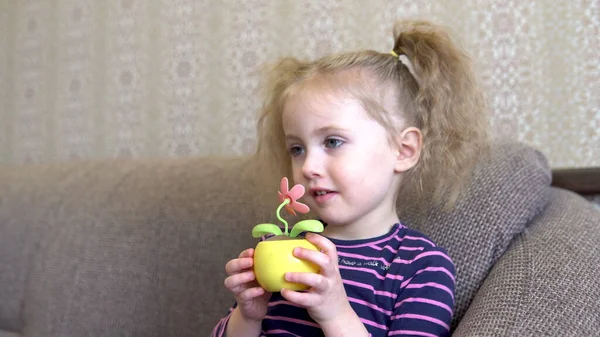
column 547, row 283
column 121, row 248
column 399, row 283
column 138, row 247
column 9, row 334
column 507, row 191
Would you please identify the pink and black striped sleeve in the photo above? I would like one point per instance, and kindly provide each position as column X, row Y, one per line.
column 221, row 327
column 424, row 306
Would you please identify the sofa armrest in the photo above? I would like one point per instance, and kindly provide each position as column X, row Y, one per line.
column 546, row 284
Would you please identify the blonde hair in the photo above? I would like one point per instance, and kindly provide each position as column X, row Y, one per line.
column 439, row 95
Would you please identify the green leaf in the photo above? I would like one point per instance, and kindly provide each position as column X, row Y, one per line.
column 306, row 226
column 264, row 229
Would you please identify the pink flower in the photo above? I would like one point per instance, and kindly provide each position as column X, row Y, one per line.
column 294, row 194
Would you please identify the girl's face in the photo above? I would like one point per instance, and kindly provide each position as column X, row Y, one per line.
column 345, row 161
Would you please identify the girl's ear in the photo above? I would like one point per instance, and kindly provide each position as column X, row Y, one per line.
column 408, row 149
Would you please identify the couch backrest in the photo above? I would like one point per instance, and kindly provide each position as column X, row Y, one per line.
column 508, row 190
column 138, row 248
column 127, row 248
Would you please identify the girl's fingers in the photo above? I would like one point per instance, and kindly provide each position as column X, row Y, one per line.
column 326, row 258
column 247, row 253
column 305, row 299
column 318, row 258
column 250, row 293
column 238, row 282
column 235, row 266
column 315, row 281
column 244, row 261
column 324, row 244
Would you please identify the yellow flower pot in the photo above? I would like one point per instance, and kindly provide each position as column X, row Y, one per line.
column 273, row 258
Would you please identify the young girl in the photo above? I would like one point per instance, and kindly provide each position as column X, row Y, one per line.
column 366, row 134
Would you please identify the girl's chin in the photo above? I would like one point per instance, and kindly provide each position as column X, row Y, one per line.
column 330, row 221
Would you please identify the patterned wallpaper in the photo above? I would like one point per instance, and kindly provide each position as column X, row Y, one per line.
column 108, row 78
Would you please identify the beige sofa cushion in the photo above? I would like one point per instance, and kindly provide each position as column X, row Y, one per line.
column 139, row 247
column 507, row 192
column 547, row 282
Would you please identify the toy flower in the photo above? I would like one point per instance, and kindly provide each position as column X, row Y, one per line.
column 289, row 200
column 294, row 194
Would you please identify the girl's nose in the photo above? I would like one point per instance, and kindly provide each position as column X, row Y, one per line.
column 312, row 166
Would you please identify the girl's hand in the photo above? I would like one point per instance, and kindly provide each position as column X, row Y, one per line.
column 326, row 299
column 252, row 300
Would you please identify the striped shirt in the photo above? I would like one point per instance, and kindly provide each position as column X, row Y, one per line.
column 399, row 284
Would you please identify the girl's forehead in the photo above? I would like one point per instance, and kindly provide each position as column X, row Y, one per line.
column 318, row 111
column 318, row 101
column 339, row 88
column 329, row 89
column 337, row 82
column 340, row 96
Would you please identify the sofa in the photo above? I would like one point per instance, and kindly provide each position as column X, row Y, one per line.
column 137, row 247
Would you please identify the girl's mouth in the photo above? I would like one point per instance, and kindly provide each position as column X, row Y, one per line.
column 322, row 195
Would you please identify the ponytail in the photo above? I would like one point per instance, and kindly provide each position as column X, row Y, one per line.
column 449, row 108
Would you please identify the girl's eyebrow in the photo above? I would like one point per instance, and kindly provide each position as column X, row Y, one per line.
column 291, row 137
column 327, row 129
column 319, row 131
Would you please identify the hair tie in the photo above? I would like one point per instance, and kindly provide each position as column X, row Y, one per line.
column 404, row 60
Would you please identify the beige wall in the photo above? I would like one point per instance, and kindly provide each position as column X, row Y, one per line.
column 97, row 78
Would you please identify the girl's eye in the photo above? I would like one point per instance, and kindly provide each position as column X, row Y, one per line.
column 333, row 143
column 296, row 150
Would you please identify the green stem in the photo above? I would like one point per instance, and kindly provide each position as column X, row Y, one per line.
column 285, row 202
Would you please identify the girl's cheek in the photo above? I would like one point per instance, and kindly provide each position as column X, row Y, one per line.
column 297, row 175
